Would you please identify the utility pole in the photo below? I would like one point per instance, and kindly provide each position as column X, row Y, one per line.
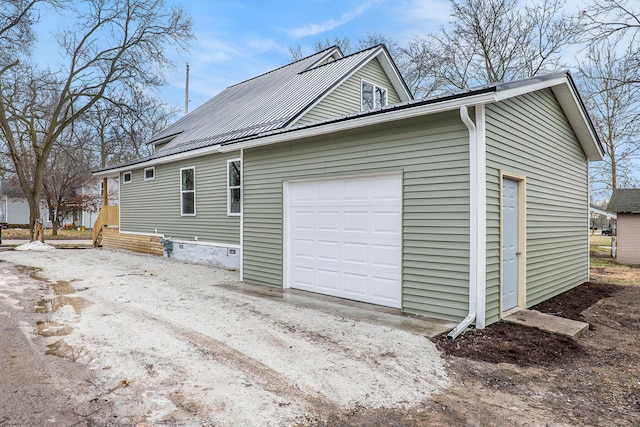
column 186, row 93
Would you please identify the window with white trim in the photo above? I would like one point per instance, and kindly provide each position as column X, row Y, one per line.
column 373, row 96
column 149, row 173
column 188, row 191
column 234, row 187
column 127, row 177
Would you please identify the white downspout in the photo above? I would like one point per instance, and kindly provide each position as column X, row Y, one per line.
column 241, row 214
column 477, row 221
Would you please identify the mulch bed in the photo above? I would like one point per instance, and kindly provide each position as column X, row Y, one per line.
column 525, row 346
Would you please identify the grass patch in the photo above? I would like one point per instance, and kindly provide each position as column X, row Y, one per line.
column 23, row 234
column 598, row 240
column 605, row 269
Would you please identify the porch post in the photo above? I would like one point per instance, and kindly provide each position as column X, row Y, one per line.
column 105, row 192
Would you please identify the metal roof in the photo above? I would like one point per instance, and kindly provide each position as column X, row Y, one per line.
column 266, row 103
column 625, row 200
column 266, row 132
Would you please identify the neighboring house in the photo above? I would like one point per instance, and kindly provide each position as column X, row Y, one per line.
column 14, row 208
column 625, row 202
column 326, row 176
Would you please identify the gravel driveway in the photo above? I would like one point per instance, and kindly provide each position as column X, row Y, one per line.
column 166, row 342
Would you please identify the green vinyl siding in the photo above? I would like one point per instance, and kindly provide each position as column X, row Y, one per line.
column 530, row 136
column 346, row 98
column 147, row 206
column 432, row 155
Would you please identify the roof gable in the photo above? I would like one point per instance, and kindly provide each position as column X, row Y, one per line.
column 268, row 102
column 625, row 200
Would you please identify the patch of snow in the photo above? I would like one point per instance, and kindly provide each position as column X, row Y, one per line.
column 34, row 246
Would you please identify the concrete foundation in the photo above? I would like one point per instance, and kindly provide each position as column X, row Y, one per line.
column 205, row 253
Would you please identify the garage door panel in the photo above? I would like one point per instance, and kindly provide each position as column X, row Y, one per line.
column 329, row 251
column 355, row 253
column 345, row 238
column 328, row 279
column 355, row 190
column 303, row 220
column 304, row 248
column 385, row 223
column 385, row 256
column 387, row 191
column 355, row 284
column 383, row 288
column 355, row 221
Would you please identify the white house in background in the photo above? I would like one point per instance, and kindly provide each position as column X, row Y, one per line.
column 14, row 208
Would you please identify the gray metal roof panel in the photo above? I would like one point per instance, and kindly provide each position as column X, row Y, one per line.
column 262, row 103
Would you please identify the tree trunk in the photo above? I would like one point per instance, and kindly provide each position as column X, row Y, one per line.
column 56, row 226
column 34, row 217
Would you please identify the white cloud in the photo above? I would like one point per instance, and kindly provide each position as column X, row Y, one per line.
column 312, row 29
column 266, row 45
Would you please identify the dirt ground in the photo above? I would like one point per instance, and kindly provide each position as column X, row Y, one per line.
column 503, row 375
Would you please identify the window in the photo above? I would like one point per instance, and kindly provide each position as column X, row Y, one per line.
column 373, row 96
column 149, row 173
column 234, row 187
column 127, row 177
column 188, row 191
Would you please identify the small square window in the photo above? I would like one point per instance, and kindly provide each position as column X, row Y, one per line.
column 149, row 173
column 373, row 96
column 127, row 177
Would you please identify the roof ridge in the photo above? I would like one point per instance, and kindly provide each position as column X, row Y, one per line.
column 284, row 66
column 340, row 59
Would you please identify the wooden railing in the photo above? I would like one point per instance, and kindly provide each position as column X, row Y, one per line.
column 109, row 215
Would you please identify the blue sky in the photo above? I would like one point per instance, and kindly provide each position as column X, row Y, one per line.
column 239, row 39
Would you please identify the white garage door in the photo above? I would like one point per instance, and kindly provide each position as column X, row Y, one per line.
column 345, row 238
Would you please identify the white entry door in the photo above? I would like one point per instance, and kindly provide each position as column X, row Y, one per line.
column 510, row 253
column 345, row 238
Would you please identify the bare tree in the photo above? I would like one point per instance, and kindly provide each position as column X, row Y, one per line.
column 617, row 22
column 615, row 109
column 122, row 127
column 16, row 29
column 607, row 18
column 496, row 40
column 67, row 173
column 115, row 44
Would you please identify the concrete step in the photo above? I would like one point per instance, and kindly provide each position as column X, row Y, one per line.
column 547, row 322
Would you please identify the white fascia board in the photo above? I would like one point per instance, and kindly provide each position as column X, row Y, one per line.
column 577, row 116
column 394, row 77
column 159, row 161
column 503, row 94
column 390, row 116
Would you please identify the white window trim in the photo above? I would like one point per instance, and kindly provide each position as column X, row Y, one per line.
column 375, row 86
column 124, row 174
column 153, row 168
column 194, row 192
column 229, row 188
